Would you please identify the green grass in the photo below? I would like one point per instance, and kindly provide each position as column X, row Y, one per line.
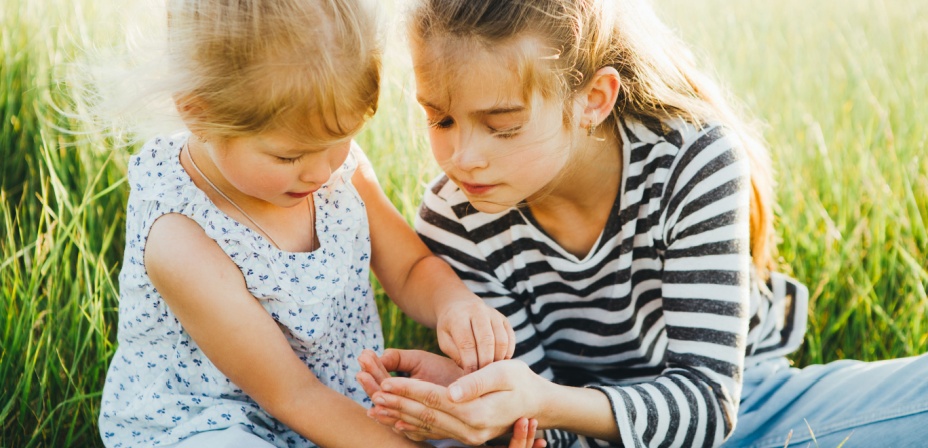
column 840, row 84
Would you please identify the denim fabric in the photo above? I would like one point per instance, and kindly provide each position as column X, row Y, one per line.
column 231, row 437
column 868, row 404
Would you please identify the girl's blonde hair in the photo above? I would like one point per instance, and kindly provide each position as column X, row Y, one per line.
column 659, row 79
column 310, row 68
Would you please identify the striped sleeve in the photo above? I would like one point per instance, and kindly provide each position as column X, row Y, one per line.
column 440, row 229
column 705, row 293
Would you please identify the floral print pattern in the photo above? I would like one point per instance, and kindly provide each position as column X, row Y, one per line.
column 160, row 387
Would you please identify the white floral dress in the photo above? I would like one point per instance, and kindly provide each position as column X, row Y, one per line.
column 160, row 387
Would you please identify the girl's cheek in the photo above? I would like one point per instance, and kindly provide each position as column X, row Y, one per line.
column 440, row 152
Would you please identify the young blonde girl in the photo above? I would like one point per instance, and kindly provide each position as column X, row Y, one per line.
column 599, row 192
column 245, row 298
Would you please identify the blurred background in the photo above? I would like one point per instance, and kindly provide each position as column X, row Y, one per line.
column 839, row 85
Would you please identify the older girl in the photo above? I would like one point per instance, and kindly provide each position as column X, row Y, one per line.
column 599, row 192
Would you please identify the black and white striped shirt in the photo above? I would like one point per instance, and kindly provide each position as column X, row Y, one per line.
column 662, row 315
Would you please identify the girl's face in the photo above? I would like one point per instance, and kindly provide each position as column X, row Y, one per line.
column 497, row 146
column 274, row 168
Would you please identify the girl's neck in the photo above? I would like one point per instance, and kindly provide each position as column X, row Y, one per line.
column 591, row 178
column 203, row 154
column 576, row 210
column 285, row 228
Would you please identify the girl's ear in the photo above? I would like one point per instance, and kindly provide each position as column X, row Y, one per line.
column 192, row 111
column 600, row 96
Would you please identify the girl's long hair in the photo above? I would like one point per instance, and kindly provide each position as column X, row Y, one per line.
column 659, row 78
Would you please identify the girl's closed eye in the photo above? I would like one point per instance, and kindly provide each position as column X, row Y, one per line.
column 289, row 160
column 506, row 133
column 442, row 123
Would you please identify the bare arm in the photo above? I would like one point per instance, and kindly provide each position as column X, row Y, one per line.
column 483, row 405
column 408, row 271
column 425, row 287
column 207, row 293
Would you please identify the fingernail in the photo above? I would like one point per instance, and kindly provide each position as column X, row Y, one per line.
column 456, row 392
column 380, row 400
column 386, row 386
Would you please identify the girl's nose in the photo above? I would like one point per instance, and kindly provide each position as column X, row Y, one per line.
column 315, row 173
column 469, row 155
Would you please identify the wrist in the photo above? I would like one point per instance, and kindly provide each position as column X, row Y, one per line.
column 453, row 300
column 580, row 410
column 547, row 412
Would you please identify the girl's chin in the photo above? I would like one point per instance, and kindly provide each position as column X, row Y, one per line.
column 485, row 206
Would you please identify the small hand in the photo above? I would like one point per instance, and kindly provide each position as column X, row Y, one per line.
column 418, row 364
column 474, row 334
column 475, row 408
column 523, row 435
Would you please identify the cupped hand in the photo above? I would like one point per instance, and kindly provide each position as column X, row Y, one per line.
column 475, row 408
column 416, row 364
column 474, row 334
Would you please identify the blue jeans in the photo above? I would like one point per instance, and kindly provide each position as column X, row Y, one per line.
column 868, row 404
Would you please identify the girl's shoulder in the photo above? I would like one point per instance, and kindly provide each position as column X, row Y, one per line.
column 673, row 134
column 155, row 172
column 660, row 151
column 160, row 151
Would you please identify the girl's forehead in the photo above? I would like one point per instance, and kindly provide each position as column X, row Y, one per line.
column 452, row 70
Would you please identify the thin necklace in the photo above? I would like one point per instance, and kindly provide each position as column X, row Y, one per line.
column 312, row 213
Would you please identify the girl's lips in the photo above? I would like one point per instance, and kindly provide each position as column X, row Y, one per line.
column 477, row 189
column 299, row 195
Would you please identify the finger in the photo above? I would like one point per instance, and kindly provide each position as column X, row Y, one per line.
column 414, row 416
column 391, row 359
column 530, row 436
column 371, row 364
column 383, row 416
column 447, row 346
column 501, row 339
column 486, row 341
column 491, row 379
column 532, row 433
column 512, row 339
column 459, row 344
column 414, row 433
column 407, row 361
column 430, row 395
column 427, row 407
column 520, row 434
column 368, row 383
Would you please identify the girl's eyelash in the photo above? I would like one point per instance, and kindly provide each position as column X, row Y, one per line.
column 506, row 133
column 290, row 160
column 446, row 123
column 443, row 123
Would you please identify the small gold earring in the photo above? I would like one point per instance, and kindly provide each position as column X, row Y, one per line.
column 590, row 129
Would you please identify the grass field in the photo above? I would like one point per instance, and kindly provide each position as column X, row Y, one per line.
column 840, row 84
